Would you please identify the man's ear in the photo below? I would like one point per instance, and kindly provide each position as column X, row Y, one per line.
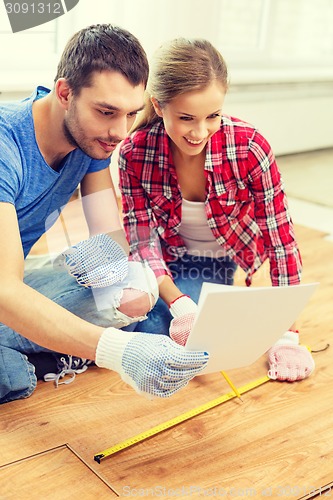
column 157, row 107
column 63, row 92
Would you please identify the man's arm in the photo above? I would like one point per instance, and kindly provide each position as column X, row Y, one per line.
column 100, row 206
column 29, row 312
column 102, row 213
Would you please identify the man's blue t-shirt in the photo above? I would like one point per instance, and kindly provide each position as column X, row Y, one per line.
column 26, row 180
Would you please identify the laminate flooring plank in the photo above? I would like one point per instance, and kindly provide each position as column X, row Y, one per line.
column 98, row 407
column 55, row 474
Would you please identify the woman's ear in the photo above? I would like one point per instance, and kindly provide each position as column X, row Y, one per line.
column 63, row 92
column 157, row 107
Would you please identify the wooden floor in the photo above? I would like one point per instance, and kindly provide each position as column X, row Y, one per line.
column 278, row 443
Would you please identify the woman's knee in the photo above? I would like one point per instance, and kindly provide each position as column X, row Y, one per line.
column 134, row 302
column 129, row 301
column 140, row 293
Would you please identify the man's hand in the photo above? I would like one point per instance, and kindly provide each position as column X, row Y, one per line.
column 288, row 360
column 152, row 364
column 183, row 310
column 95, row 263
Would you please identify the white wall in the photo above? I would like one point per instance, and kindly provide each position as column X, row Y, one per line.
column 279, row 52
column 293, row 118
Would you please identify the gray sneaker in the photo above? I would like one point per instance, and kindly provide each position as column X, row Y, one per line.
column 67, row 365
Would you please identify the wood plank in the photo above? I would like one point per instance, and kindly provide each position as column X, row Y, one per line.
column 55, row 474
column 97, row 401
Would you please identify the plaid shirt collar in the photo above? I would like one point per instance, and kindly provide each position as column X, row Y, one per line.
column 158, row 137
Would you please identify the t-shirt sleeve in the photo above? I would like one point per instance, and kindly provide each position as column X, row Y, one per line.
column 10, row 168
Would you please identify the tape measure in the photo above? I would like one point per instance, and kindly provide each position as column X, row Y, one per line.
column 177, row 420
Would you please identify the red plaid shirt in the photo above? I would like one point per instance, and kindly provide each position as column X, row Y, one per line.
column 246, row 206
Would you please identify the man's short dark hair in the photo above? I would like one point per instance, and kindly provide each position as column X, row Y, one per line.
column 102, row 47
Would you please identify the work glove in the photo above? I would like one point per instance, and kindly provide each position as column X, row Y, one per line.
column 95, row 263
column 288, row 360
column 183, row 310
column 152, row 364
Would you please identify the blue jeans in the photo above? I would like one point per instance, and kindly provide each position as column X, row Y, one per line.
column 17, row 375
column 189, row 273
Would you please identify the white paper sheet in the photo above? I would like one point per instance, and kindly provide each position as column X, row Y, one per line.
column 237, row 325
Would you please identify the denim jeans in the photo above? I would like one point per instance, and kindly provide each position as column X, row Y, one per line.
column 189, row 273
column 98, row 306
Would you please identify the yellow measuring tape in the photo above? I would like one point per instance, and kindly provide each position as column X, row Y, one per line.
column 177, row 420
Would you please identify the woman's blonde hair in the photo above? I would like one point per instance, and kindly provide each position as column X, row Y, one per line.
column 180, row 66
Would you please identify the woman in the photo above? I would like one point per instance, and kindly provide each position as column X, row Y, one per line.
column 202, row 194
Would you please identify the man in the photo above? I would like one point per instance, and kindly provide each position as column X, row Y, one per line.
column 50, row 143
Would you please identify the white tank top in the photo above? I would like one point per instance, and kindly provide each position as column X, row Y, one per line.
column 196, row 233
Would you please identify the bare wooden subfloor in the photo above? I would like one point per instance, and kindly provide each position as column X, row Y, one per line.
column 278, row 443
